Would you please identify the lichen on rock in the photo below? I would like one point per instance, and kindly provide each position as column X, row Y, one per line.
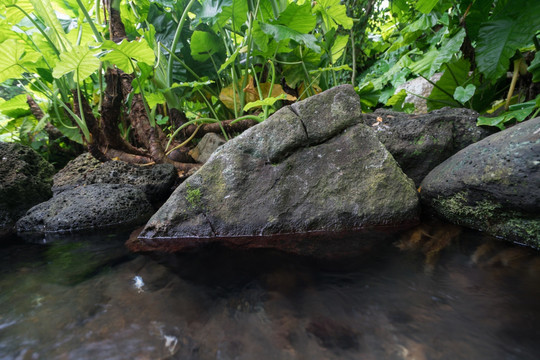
column 492, row 185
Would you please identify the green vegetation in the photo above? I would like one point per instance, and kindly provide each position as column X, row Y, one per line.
column 152, row 73
column 193, row 196
column 474, row 44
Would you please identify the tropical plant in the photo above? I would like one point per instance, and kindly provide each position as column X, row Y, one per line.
column 140, row 88
column 472, row 43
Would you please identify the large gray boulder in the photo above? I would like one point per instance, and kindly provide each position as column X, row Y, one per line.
column 492, row 185
column 421, row 142
column 91, row 207
column 25, row 180
column 311, row 167
column 417, row 92
column 156, row 181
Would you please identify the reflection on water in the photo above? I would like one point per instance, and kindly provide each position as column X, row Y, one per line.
column 90, row 299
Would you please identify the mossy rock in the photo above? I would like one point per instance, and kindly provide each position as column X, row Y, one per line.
column 311, row 167
column 492, row 185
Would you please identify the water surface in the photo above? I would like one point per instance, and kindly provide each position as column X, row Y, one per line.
column 454, row 296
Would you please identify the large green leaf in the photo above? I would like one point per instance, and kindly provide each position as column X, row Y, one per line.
column 71, row 7
column 455, row 75
column 298, row 18
column 534, row 68
column 501, row 120
column 15, row 107
column 204, row 44
column 423, row 65
column 280, row 32
column 237, row 13
column 125, row 54
column 338, row 48
column 82, row 34
column 500, row 37
column 81, row 60
column 478, row 14
column 259, row 37
column 45, row 48
column 380, row 81
column 425, row 6
column 412, row 31
column 210, row 9
column 449, row 48
column 333, row 13
column 153, row 99
column 15, row 59
column 6, row 31
column 13, row 14
column 369, row 97
column 46, row 12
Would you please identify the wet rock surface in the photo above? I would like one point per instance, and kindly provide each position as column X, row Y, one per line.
column 25, row 180
column 156, row 181
column 311, row 167
column 492, row 185
column 92, row 207
column 421, row 142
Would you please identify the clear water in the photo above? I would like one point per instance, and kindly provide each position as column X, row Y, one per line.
column 88, row 298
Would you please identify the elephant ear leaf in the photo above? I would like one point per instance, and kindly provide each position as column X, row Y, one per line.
column 45, row 10
column 15, row 59
column 425, row 6
column 81, row 60
column 14, row 14
column 204, row 44
column 500, row 37
column 125, row 54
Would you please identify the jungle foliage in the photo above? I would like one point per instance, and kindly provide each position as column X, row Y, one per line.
column 139, row 79
column 472, row 44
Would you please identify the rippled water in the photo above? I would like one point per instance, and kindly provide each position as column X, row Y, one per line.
column 88, row 298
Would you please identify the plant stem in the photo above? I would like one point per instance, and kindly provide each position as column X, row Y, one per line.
column 176, row 39
column 82, row 121
column 90, row 21
column 353, row 54
column 38, row 27
column 515, row 76
column 185, row 142
column 246, row 117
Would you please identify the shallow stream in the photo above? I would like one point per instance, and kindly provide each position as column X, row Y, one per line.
column 420, row 295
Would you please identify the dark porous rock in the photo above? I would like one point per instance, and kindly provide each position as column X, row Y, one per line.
column 421, row 142
column 156, row 181
column 492, row 185
column 311, row 167
column 25, row 180
column 91, row 207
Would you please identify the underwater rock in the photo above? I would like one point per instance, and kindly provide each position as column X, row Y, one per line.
column 156, row 181
column 492, row 185
column 421, row 142
column 92, row 207
column 25, row 180
column 311, row 167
